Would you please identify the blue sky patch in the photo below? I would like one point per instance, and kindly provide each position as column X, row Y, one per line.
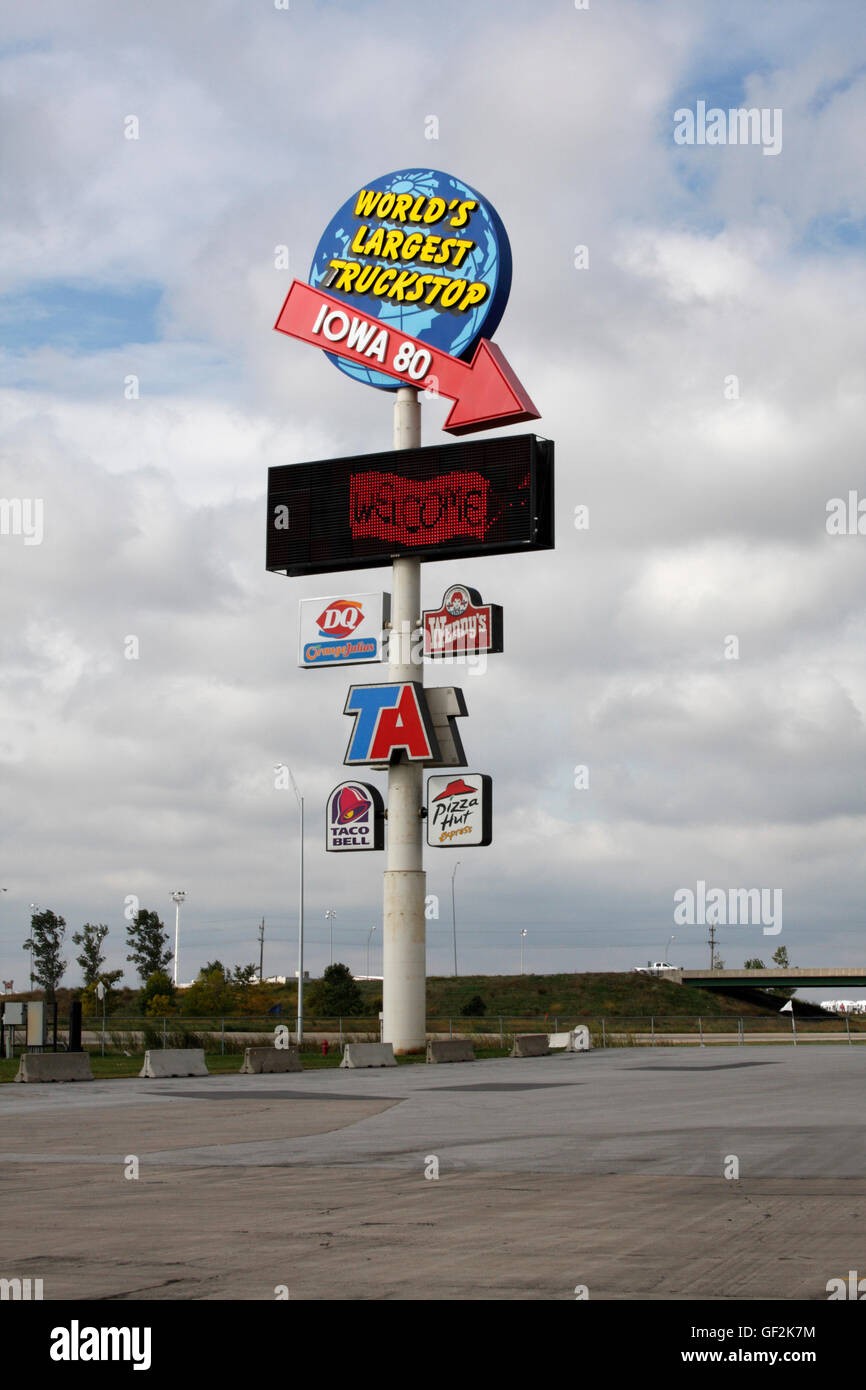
column 77, row 317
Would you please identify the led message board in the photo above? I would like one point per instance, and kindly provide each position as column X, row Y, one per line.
column 488, row 497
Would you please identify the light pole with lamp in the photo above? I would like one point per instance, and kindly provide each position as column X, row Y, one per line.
column 34, row 908
column 329, row 916
column 177, row 898
column 453, row 916
column 667, row 948
column 522, row 943
column 369, row 935
column 100, row 994
column 300, row 801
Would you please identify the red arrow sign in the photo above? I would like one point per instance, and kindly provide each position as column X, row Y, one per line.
column 485, row 392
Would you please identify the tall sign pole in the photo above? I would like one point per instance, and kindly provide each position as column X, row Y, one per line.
column 408, row 283
column 404, row 966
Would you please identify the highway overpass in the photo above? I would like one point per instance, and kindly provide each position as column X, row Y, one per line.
column 801, row 977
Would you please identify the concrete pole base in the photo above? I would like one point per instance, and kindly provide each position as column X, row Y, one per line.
column 404, row 989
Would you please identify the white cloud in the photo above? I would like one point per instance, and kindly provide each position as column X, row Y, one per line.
column 707, row 513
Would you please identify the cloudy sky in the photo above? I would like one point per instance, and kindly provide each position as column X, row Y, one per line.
column 703, row 378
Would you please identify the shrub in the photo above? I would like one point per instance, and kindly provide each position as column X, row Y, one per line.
column 474, row 1007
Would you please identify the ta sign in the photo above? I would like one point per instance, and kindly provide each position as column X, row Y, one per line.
column 391, row 719
column 423, row 253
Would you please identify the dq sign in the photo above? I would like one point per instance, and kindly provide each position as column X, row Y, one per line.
column 342, row 631
column 424, row 254
column 355, row 818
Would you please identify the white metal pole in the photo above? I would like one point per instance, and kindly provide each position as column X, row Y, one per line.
column 454, row 915
column 301, row 935
column 329, row 916
column 177, row 898
column 404, row 960
column 369, row 938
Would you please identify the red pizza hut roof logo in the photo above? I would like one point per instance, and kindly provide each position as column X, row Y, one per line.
column 457, row 788
column 341, row 618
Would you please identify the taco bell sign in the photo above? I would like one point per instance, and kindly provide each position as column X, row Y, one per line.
column 355, row 818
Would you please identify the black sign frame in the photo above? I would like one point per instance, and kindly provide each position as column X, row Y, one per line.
column 476, row 497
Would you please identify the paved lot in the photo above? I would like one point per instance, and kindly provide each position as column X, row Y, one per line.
column 605, row 1170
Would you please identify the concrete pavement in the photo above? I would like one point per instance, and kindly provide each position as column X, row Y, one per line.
column 604, row 1169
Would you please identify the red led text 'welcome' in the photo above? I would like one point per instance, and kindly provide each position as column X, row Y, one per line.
column 391, row 508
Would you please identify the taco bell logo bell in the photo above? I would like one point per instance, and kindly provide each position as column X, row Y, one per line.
column 355, row 818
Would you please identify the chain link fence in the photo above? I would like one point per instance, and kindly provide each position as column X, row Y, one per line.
column 231, row 1034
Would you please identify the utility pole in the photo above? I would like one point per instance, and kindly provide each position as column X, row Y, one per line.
column 712, row 945
column 261, row 948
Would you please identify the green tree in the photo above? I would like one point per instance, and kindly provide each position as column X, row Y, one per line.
column 148, row 943
column 91, row 960
column 754, row 964
column 47, row 931
column 213, row 965
column 210, row 993
column 780, row 959
column 336, row 995
column 158, row 994
column 243, row 975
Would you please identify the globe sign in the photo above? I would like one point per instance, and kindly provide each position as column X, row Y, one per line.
column 446, row 255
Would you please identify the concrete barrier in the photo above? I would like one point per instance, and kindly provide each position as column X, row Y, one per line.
column 174, row 1061
column 530, row 1045
column 557, row 1041
column 369, row 1055
column 259, row 1060
column 54, row 1066
column 455, row 1050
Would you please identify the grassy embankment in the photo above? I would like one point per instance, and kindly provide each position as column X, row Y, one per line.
column 523, row 1003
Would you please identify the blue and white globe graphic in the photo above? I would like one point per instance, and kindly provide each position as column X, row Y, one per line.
column 489, row 261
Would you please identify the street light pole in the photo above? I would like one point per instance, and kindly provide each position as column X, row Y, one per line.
column 177, row 898
column 300, row 801
column 34, row 908
column 522, row 943
column 454, row 916
column 369, row 935
column 329, row 916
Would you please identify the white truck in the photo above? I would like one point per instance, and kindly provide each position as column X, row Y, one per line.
column 654, row 967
